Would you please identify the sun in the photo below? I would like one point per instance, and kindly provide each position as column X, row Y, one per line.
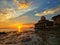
column 19, row 28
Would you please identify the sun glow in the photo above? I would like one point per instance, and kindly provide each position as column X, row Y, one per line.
column 19, row 28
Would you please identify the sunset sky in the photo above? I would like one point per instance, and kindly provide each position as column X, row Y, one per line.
column 17, row 12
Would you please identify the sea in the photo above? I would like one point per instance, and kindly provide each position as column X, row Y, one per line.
column 27, row 37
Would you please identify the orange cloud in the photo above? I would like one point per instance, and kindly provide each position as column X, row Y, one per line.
column 22, row 5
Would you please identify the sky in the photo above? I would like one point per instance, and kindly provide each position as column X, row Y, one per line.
column 27, row 11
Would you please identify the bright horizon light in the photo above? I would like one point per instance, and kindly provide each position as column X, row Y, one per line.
column 19, row 28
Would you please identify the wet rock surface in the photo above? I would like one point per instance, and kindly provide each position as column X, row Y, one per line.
column 30, row 38
column 50, row 37
column 25, row 38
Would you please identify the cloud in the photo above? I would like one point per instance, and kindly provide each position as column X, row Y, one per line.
column 6, row 14
column 49, row 11
column 24, row 17
column 13, row 12
column 22, row 4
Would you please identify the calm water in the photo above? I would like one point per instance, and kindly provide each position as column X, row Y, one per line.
column 7, row 30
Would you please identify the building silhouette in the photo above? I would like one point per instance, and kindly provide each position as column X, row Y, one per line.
column 47, row 29
column 43, row 24
column 57, row 21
